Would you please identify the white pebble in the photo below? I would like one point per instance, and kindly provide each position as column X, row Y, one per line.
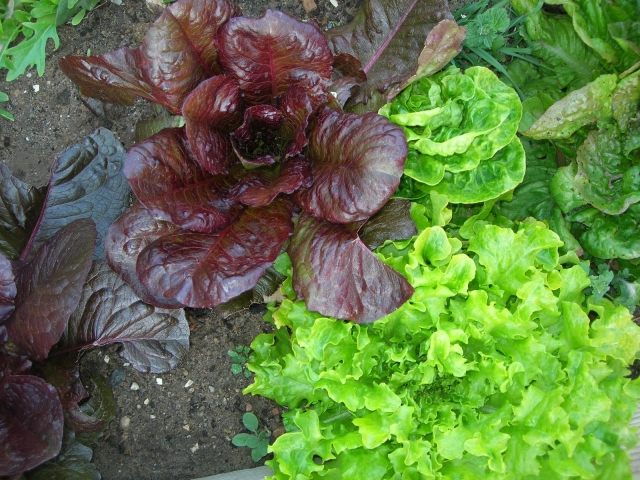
column 334, row 3
column 126, row 364
column 188, row 384
column 36, row 88
column 146, row 401
column 125, row 422
column 106, row 359
column 152, row 417
column 186, row 427
column 159, row 381
column 195, row 448
column 135, row 386
column 212, row 389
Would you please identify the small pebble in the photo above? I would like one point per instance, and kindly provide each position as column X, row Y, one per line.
column 159, row 381
column 186, row 427
column 152, row 417
column 125, row 422
column 248, row 407
column 36, row 88
column 138, row 406
column 106, row 359
column 146, row 401
column 126, row 364
column 212, row 389
column 135, row 386
column 191, row 390
column 334, row 3
column 195, row 448
column 188, row 384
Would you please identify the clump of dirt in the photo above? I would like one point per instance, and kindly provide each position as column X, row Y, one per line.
column 177, row 425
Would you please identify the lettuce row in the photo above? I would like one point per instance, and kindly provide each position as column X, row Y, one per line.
column 461, row 130
column 497, row 366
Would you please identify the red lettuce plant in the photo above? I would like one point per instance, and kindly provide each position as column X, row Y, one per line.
column 265, row 153
column 56, row 302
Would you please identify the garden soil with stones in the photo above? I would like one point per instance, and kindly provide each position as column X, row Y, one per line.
column 177, row 425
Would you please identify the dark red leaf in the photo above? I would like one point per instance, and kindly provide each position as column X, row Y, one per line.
column 7, row 288
column 166, row 180
column 19, row 209
column 339, row 276
column 392, row 222
column 177, row 53
column 49, row 288
column 203, row 271
column 387, row 37
column 31, row 424
column 211, row 111
column 261, row 188
column 296, row 107
column 153, row 339
column 86, row 182
column 216, row 101
column 129, row 236
column 256, row 142
column 268, row 55
column 357, row 162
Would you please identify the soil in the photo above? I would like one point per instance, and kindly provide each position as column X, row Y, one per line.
column 179, row 427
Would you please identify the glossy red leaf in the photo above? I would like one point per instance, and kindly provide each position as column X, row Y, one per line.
column 109, row 311
column 216, row 101
column 338, row 276
column 268, row 55
column 31, row 424
column 49, row 288
column 261, row 188
column 203, row 271
column 7, row 288
column 166, row 180
column 211, row 148
column 387, row 37
column 129, row 236
column 357, row 162
column 178, row 51
column 296, row 106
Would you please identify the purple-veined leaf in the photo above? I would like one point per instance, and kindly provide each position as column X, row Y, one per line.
column 387, row 37
column 178, row 51
column 296, row 107
column 86, row 182
column 268, row 55
column 19, row 208
column 166, row 180
column 31, row 423
column 129, row 236
column 210, row 111
column 443, row 43
column 49, row 288
column 357, row 163
column 338, row 276
column 153, row 339
column 392, row 222
column 261, row 188
column 7, row 288
column 203, row 271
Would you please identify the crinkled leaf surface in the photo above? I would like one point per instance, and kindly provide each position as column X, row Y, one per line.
column 387, row 37
column 203, row 271
column 19, row 208
column 49, row 288
column 127, row 238
column 86, row 182
column 267, row 55
column 177, row 53
column 7, row 288
column 356, row 163
column 339, row 276
column 614, row 236
column 579, row 108
column 31, row 423
column 153, row 339
column 167, row 181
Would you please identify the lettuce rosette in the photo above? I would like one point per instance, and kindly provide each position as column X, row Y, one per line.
column 499, row 366
column 461, row 131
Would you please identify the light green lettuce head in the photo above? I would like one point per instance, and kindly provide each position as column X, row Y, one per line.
column 497, row 367
column 460, row 129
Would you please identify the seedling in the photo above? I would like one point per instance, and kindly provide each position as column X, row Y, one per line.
column 257, row 440
column 4, row 113
column 239, row 358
